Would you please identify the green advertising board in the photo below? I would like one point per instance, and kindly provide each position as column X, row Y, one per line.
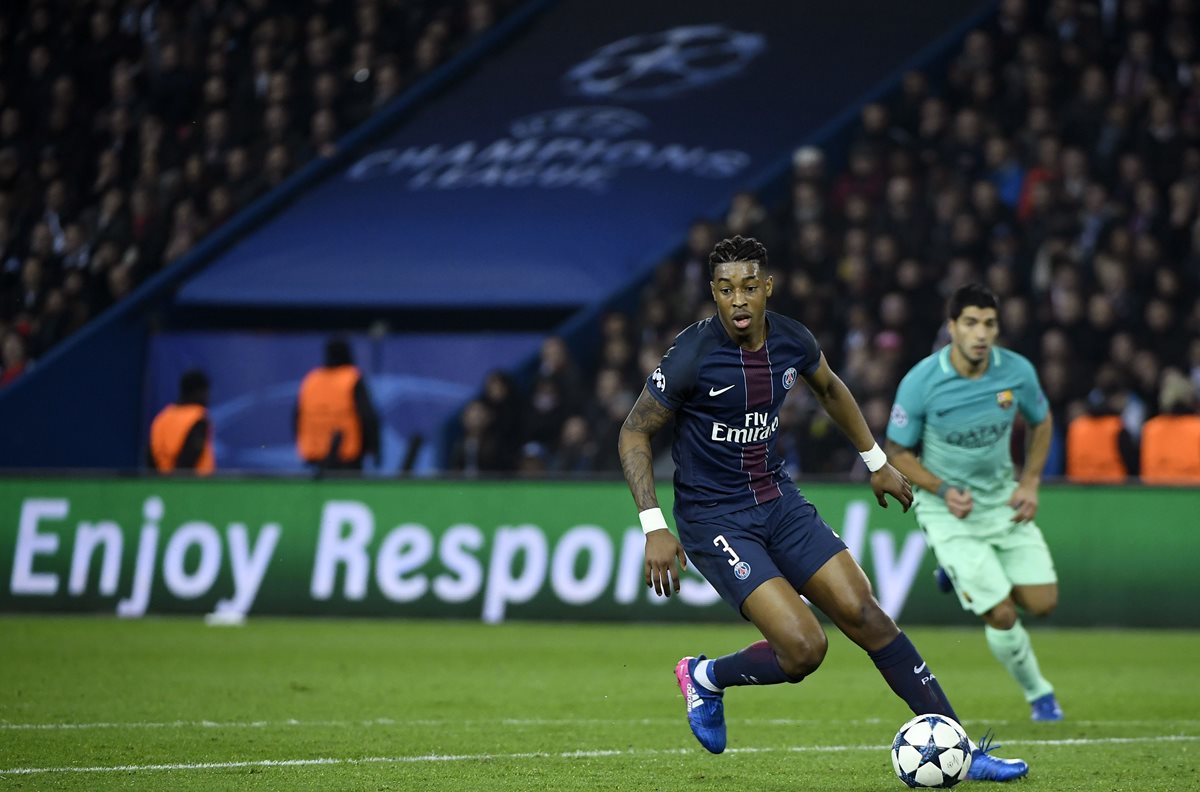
column 514, row 550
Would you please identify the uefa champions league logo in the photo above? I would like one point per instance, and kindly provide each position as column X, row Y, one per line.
column 589, row 146
column 658, row 65
column 595, row 123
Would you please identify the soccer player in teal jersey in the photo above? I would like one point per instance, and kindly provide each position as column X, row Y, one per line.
column 958, row 405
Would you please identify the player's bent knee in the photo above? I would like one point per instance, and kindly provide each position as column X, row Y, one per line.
column 1004, row 621
column 1002, row 617
column 802, row 654
column 858, row 616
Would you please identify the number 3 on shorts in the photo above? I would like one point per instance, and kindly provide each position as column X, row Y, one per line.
column 721, row 543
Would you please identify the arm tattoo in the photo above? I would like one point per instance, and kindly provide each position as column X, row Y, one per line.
column 637, row 460
column 647, row 415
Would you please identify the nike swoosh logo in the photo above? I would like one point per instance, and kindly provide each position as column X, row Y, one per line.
column 715, row 392
column 918, row 669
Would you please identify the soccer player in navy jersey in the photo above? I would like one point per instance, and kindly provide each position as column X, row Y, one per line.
column 741, row 519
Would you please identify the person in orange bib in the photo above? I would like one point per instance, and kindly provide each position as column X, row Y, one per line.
column 1171, row 439
column 335, row 422
column 1100, row 450
column 181, row 434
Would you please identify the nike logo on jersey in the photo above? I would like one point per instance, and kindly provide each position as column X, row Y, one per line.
column 715, row 392
column 918, row 669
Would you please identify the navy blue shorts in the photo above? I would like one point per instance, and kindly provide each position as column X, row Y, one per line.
column 738, row 552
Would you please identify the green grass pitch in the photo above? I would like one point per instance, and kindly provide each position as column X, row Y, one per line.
column 96, row 703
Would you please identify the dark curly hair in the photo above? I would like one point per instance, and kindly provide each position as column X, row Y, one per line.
column 736, row 248
column 193, row 386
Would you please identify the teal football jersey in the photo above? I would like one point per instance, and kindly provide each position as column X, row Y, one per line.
column 964, row 426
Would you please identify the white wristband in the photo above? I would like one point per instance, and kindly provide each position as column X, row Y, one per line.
column 875, row 458
column 652, row 520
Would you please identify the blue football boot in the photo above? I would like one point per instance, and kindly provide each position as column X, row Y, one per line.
column 985, row 767
column 705, row 709
column 1045, row 708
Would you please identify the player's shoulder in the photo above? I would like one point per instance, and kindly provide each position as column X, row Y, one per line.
column 695, row 341
column 788, row 326
column 926, row 369
column 1008, row 357
column 696, row 333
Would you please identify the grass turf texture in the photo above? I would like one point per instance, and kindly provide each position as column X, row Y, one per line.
column 452, row 706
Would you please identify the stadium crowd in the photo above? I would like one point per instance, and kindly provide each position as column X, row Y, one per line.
column 131, row 128
column 1055, row 159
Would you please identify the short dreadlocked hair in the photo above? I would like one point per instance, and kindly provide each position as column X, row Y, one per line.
column 736, row 248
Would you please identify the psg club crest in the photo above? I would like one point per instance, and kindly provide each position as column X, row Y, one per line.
column 789, row 378
column 1005, row 399
column 741, row 570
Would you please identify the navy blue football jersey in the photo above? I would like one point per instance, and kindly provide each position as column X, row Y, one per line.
column 726, row 402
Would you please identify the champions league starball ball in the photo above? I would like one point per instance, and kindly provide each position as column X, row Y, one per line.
column 931, row 752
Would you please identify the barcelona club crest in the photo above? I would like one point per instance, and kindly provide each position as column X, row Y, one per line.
column 1005, row 399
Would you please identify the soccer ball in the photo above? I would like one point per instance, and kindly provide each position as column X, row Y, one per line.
column 931, row 751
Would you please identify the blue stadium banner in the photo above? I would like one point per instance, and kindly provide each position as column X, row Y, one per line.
column 570, row 163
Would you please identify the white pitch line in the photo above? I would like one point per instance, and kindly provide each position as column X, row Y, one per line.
column 519, row 722
column 540, row 755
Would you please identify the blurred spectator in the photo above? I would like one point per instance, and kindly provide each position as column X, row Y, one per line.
column 13, row 357
column 557, row 388
column 1171, row 440
column 1099, row 449
column 611, row 401
column 532, row 459
column 504, row 405
column 478, row 449
column 181, row 434
column 555, row 364
column 547, row 411
column 335, row 422
column 576, row 452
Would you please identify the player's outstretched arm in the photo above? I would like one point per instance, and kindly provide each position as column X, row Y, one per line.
column 907, row 462
column 839, row 402
column 637, row 462
column 958, row 499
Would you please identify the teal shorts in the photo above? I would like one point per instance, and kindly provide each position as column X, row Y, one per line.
column 987, row 553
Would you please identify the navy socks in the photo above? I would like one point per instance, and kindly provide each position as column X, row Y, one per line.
column 909, row 677
column 754, row 665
